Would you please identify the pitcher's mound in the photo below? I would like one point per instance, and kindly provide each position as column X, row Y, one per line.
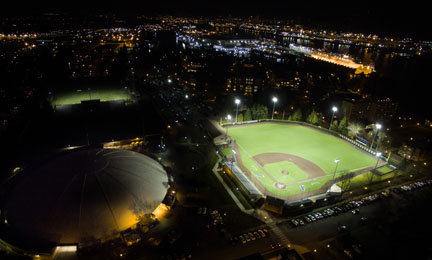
column 285, row 172
column 280, row 186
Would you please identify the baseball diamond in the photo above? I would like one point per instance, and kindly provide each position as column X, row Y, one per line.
column 291, row 161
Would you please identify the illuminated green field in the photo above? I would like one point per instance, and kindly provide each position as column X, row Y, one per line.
column 77, row 95
column 308, row 143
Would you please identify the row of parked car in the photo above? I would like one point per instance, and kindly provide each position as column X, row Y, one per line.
column 412, row 186
column 249, row 236
column 354, row 205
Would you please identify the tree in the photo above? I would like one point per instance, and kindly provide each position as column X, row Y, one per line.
column 354, row 129
column 247, row 115
column 312, row 118
column 334, row 125
column 346, row 181
column 259, row 111
column 297, row 116
column 263, row 111
column 254, row 112
column 370, row 176
column 240, row 117
column 342, row 128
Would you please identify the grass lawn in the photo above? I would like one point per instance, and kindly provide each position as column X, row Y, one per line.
column 311, row 144
column 364, row 179
column 76, row 95
column 385, row 169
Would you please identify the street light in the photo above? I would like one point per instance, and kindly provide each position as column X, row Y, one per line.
column 378, row 157
column 237, row 101
column 377, row 127
column 186, row 96
column 274, row 103
column 337, row 162
column 334, row 110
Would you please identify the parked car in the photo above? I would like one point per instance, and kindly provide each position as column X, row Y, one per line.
column 342, row 228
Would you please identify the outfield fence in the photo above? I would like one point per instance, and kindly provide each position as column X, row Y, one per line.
column 324, row 130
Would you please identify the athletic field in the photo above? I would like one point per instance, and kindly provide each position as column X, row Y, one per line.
column 291, row 159
column 76, row 95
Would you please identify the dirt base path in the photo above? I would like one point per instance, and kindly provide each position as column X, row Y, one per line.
column 310, row 168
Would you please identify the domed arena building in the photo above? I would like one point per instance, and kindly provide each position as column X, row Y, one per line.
column 80, row 197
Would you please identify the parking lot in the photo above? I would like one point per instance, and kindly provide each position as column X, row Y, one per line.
column 369, row 227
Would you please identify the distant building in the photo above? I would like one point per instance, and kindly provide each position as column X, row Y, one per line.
column 415, row 151
column 247, row 79
column 369, row 110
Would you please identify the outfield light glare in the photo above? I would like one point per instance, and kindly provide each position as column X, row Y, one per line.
column 334, row 109
column 378, row 126
column 237, row 101
column 275, row 99
column 229, row 117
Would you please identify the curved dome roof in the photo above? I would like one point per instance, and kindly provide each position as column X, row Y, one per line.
column 85, row 195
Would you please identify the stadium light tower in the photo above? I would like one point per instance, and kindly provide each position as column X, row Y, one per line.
column 226, row 131
column 377, row 127
column 334, row 109
column 337, row 162
column 237, row 101
column 378, row 157
column 274, row 103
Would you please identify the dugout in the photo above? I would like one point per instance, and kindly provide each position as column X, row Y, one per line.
column 273, row 204
column 298, row 207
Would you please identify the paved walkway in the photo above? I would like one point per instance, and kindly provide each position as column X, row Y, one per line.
column 227, row 188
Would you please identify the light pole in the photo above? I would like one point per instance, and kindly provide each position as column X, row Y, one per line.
column 334, row 109
column 377, row 127
column 337, row 162
column 378, row 157
column 237, row 101
column 226, row 131
column 274, row 103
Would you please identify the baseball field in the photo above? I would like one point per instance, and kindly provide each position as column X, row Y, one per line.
column 291, row 159
column 76, row 95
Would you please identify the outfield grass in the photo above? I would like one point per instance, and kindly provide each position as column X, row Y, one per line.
column 76, row 95
column 311, row 144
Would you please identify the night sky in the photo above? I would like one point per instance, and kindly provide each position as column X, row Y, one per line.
column 392, row 19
